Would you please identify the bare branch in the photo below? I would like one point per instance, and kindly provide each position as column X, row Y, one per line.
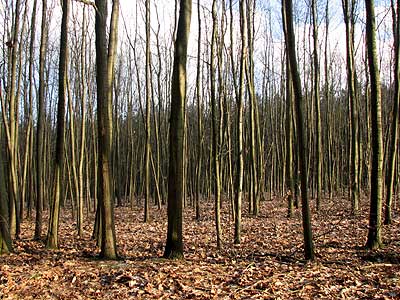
column 87, row 2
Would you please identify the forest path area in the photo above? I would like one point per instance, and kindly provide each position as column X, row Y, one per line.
column 267, row 265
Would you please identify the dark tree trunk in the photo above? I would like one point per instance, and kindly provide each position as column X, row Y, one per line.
column 174, row 245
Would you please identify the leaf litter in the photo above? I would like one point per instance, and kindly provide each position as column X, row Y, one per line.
column 267, row 265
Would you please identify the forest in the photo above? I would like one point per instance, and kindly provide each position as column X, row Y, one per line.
column 215, row 149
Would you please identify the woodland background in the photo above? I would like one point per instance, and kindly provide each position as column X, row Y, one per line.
column 288, row 115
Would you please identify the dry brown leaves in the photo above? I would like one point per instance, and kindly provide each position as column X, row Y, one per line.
column 267, row 265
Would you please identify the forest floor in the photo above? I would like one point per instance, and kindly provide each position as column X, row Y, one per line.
column 267, row 265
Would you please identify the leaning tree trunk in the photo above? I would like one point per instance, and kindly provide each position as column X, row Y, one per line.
column 287, row 11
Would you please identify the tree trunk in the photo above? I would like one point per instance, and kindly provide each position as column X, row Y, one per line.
column 148, row 109
column 240, row 96
column 215, row 132
column 374, row 231
column 104, row 77
column 395, row 118
column 348, row 14
column 287, row 10
column 5, row 237
column 199, row 118
column 174, row 244
column 52, row 234
column 319, row 151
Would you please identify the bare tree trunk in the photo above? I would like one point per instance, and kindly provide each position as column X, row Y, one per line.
column 374, row 231
column 215, row 132
column 289, row 140
column 104, row 78
column 11, row 125
column 395, row 118
column 240, row 96
column 174, row 245
column 319, row 151
column 147, row 122
column 40, row 126
column 348, row 13
column 287, row 11
column 199, row 118
column 5, row 237
column 83, row 126
column 52, row 234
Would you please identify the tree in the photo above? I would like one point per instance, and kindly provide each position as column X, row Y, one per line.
column 289, row 140
column 104, row 77
column 215, row 132
column 239, row 100
column 348, row 15
column 319, row 151
column 174, row 244
column 11, row 125
column 148, row 108
column 287, row 16
column 5, row 237
column 40, row 125
column 395, row 118
column 199, row 118
column 52, row 233
column 374, row 230
column 254, row 134
column 83, row 86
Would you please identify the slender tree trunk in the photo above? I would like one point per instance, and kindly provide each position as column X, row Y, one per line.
column 148, row 109
column 395, row 118
column 40, row 126
column 5, row 237
column 374, row 232
column 289, row 141
column 348, row 13
column 83, row 126
column 174, row 244
column 12, row 125
column 199, row 118
column 104, row 77
column 287, row 11
column 240, row 160
column 319, row 151
column 215, row 132
column 52, row 233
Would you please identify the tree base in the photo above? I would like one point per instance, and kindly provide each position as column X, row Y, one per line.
column 173, row 254
column 373, row 244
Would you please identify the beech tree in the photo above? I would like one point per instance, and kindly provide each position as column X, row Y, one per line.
column 374, row 240
column 287, row 13
column 395, row 113
column 5, row 237
column 174, row 244
column 239, row 101
column 52, row 233
column 348, row 15
column 104, row 78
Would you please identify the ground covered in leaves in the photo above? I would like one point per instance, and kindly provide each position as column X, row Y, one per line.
column 267, row 265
